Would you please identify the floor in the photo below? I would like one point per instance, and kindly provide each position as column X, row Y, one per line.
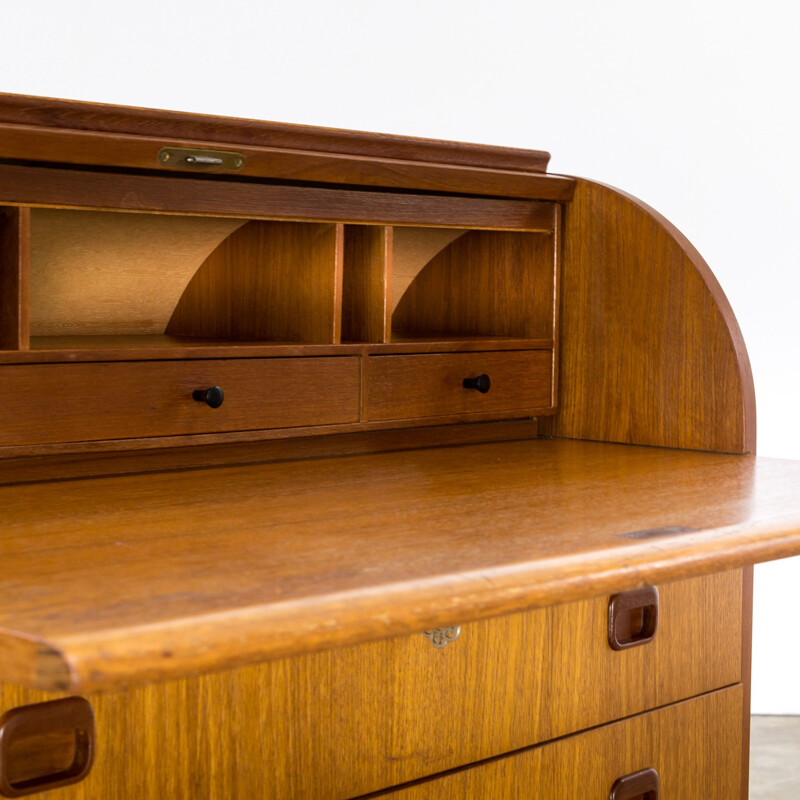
column 774, row 758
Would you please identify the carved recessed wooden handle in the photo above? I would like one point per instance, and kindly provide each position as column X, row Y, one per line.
column 45, row 745
column 632, row 618
column 642, row 785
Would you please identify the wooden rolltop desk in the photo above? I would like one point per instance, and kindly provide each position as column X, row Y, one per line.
column 337, row 464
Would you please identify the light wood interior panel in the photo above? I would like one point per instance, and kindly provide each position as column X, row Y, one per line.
column 412, row 249
column 694, row 746
column 14, row 276
column 277, row 281
column 485, row 283
column 96, row 272
column 366, row 284
column 347, row 721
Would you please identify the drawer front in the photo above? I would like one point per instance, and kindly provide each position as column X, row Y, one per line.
column 118, row 400
column 405, row 387
column 688, row 751
column 346, row 722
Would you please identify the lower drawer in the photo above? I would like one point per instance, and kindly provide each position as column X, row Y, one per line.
column 346, row 722
column 119, row 400
column 688, row 751
column 405, row 387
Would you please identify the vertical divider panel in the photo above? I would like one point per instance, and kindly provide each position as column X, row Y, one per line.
column 338, row 282
column 556, row 300
column 366, row 316
column 15, row 249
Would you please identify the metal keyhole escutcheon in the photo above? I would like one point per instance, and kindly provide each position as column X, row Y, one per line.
column 441, row 637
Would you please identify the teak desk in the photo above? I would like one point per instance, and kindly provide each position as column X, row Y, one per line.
column 337, row 464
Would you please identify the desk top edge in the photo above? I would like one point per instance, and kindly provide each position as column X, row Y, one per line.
column 342, row 586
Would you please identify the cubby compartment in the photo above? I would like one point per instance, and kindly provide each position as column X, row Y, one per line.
column 428, row 284
column 473, row 283
column 110, row 279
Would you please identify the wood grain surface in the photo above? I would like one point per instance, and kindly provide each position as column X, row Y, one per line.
column 367, row 283
column 404, row 387
column 102, row 273
column 40, row 469
column 412, row 249
column 488, row 283
column 85, row 402
column 353, row 720
column 226, row 197
column 694, row 746
column 650, row 350
column 24, row 142
column 747, row 673
column 131, row 579
column 71, row 349
column 14, row 278
column 238, row 437
column 82, row 117
column 278, row 281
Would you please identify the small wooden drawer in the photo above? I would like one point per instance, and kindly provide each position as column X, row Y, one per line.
column 688, row 751
column 119, row 400
column 346, row 722
column 405, row 387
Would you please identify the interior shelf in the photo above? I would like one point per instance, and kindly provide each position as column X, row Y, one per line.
column 67, row 349
column 219, row 567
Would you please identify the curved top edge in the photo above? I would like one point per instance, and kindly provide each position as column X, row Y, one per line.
column 721, row 300
column 80, row 115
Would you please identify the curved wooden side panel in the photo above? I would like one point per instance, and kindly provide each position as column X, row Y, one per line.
column 650, row 349
column 275, row 281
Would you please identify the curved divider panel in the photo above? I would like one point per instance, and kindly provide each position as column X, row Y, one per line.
column 107, row 273
column 274, row 281
column 485, row 283
column 412, row 249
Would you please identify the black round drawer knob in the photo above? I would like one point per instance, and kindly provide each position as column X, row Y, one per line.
column 481, row 383
column 212, row 397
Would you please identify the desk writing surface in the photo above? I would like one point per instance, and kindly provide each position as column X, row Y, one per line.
column 115, row 580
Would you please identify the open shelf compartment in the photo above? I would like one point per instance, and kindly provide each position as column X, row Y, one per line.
column 426, row 284
column 474, row 283
column 85, row 277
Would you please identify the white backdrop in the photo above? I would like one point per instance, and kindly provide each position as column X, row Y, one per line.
column 692, row 105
